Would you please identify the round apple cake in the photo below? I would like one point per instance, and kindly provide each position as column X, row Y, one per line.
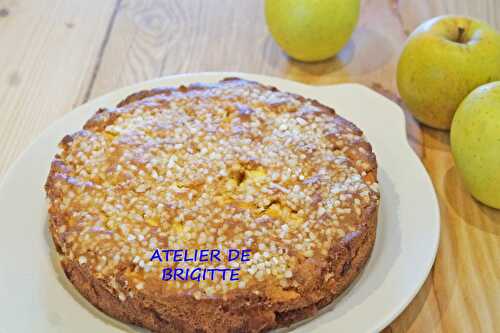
column 228, row 165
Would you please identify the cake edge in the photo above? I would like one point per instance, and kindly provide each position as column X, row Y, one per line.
column 347, row 258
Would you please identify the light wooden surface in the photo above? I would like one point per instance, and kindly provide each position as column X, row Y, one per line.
column 57, row 54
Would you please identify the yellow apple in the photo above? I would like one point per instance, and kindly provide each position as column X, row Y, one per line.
column 443, row 60
column 312, row 30
column 475, row 143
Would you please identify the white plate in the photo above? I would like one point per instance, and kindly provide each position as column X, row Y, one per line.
column 36, row 297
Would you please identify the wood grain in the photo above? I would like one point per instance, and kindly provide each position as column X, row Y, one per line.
column 48, row 53
column 61, row 54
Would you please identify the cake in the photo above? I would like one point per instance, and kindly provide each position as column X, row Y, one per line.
column 233, row 164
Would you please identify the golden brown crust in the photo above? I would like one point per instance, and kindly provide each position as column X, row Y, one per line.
column 350, row 258
column 319, row 281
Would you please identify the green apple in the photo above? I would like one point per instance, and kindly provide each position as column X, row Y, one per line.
column 312, row 30
column 475, row 143
column 443, row 60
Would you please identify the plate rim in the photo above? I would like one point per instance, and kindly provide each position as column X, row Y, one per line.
column 148, row 84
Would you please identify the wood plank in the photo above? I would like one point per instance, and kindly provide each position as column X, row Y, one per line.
column 49, row 50
column 415, row 12
column 152, row 39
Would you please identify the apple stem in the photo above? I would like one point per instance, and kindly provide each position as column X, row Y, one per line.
column 461, row 31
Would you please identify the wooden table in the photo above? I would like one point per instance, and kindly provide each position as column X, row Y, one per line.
column 55, row 55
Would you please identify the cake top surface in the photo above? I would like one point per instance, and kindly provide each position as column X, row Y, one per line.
column 210, row 166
